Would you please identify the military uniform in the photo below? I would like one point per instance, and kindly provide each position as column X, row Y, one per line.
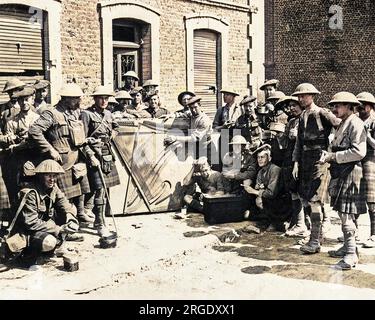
column 250, row 129
column 244, row 166
column 314, row 127
column 368, row 162
column 54, row 130
column 347, row 186
column 41, row 107
column 227, row 113
column 194, row 196
column 275, row 202
column 156, row 113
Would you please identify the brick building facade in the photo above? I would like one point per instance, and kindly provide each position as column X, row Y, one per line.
column 93, row 42
column 305, row 43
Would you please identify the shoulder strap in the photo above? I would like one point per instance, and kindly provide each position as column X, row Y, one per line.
column 20, row 207
column 97, row 128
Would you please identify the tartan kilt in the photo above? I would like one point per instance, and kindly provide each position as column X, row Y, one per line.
column 313, row 177
column 368, row 165
column 4, row 198
column 111, row 179
column 348, row 194
column 70, row 186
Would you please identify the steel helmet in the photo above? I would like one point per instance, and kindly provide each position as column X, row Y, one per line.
column 71, row 90
column 150, row 83
column 49, row 166
column 272, row 82
column 123, row 95
column 284, row 101
column 12, row 84
column 344, row 97
column 277, row 95
column 103, row 91
column 131, row 74
column 238, row 140
column 41, row 84
column 366, row 97
column 305, row 88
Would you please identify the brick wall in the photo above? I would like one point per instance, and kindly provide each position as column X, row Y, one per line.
column 81, row 45
column 307, row 49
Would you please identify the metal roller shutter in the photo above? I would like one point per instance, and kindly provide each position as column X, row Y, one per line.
column 205, row 69
column 21, row 45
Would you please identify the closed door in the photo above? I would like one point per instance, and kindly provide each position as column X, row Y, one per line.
column 206, row 75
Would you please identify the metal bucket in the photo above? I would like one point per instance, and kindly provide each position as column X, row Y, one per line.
column 108, row 242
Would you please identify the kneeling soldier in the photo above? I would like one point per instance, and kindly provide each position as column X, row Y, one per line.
column 44, row 216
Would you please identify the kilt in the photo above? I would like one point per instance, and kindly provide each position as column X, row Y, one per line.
column 111, row 179
column 313, row 177
column 368, row 164
column 4, row 198
column 348, row 194
column 289, row 184
column 70, row 186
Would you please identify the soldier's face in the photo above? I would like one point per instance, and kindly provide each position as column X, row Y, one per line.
column 195, row 109
column 263, row 159
column 364, row 111
column 154, row 102
column 205, row 171
column 130, row 81
column 73, row 103
column 48, row 180
column 185, row 99
column 237, row 148
column 229, row 98
column 268, row 90
column 41, row 94
column 101, row 101
column 26, row 103
column 305, row 100
column 295, row 109
column 342, row 110
column 138, row 98
column 249, row 107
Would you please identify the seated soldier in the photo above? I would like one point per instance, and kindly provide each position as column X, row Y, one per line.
column 43, row 219
column 271, row 200
column 208, row 181
column 238, row 166
column 155, row 110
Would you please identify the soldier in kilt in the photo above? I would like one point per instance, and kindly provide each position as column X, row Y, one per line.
column 100, row 128
column 367, row 115
column 346, row 187
column 59, row 134
column 315, row 125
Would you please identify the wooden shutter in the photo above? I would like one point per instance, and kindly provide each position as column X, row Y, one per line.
column 205, row 69
column 21, row 45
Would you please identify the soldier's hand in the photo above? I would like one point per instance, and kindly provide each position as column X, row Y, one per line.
column 55, row 155
column 94, row 162
column 168, row 140
column 295, row 171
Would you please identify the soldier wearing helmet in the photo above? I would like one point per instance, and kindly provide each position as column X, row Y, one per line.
column 44, row 217
column 20, row 149
column 59, row 135
column 269, row 87
column 346, row 187
column 239, row 165
column 100, row 128
column 11, row 108
column 271, row 199
column 130, row 79
column 367, row 115
column 41, row 94
column 315, row 125
column 287, row 140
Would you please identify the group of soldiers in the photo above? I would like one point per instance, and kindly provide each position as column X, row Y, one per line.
column 284, row 155
column 292, row 157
